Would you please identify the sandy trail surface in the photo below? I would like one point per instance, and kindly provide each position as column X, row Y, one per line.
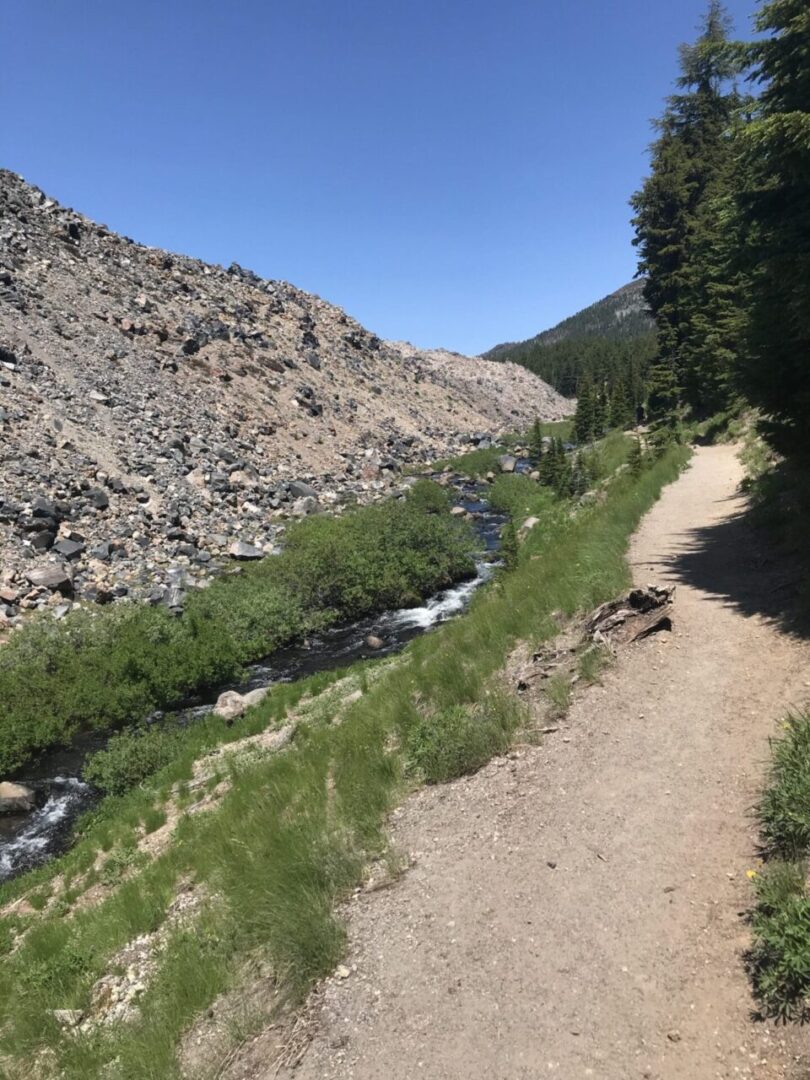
column 577, row 909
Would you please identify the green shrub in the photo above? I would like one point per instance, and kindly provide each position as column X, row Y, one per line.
column 474, row 464
column 428, row 497
column 509, row 546
column 460, row 739
column 6, row 937
column 517, row 495
column 780, row 957
column 131, row 756
column 153, row 818
column 784, row 810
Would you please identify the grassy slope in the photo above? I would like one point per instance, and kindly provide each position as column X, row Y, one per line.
column 296, row 830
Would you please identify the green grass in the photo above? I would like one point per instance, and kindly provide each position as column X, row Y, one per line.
column 784, row 810
column 477, row 463
column 459, row 739
column 592, row 662
column 107, row 667
column 555, row 429
column 292, row 835
column 780, row 956
column 557, row 689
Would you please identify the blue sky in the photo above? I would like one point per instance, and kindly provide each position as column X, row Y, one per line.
column 454, row 172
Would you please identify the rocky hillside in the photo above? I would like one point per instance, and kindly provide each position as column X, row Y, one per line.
column 160, row 416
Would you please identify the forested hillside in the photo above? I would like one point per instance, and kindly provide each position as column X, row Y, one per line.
column 608, row 345
column 621, row 315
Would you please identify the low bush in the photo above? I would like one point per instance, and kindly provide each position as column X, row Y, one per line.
column 429, row 497
column 475, row 463
column 131, row 756
column 780, row 957
column 518, row 496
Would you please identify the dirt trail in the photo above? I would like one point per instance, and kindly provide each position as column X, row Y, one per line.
column 574, row 909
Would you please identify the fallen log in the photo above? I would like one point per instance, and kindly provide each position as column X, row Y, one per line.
column 647, row 604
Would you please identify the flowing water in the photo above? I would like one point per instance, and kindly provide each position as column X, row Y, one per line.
column 30, row 840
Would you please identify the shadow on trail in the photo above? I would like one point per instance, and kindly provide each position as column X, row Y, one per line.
column 732, row 559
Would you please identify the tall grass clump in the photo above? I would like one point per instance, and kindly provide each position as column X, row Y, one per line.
column 784, row 809
column 780, row 955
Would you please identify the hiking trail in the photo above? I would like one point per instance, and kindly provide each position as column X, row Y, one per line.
column 576, row 909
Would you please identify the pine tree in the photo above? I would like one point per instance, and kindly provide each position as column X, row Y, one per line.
column 509, row 546
column 536, row 440
column 585, row 415
column 775, row 209
column 621, row 411
column 635, row 458
column 545, row 465
column 692, row 166
column 601, row 413
column 561, row 469
column 579, row 476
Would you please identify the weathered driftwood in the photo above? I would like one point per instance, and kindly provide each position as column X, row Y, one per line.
column 633, row 617
column 618, row 622
column 544, row 664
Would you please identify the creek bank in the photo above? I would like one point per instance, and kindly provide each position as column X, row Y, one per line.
column 27, row 841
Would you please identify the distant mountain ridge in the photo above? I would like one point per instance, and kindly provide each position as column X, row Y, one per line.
column 610, row 343
column 621, row 316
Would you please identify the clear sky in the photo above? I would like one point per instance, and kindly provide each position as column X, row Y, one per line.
column 453, row 172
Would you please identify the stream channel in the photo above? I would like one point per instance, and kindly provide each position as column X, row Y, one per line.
column 30, row 840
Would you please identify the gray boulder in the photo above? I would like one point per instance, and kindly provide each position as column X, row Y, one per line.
column 244, row 552
column 300, row 490
column 55, row 577
column 304, row 507
column 232, row 705
column 69, row 549
column 15, row 798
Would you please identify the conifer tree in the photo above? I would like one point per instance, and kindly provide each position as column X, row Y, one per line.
column 601, row 413
column 775, row 211
column 621, row 411
column 635, row 458
column 536, row 440
column 509, row 546
column 692, row 167
column 579, row 476
column 585, row 415
column 561, row 469
column 545, row 465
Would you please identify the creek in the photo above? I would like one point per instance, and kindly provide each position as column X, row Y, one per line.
column 30, row 840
